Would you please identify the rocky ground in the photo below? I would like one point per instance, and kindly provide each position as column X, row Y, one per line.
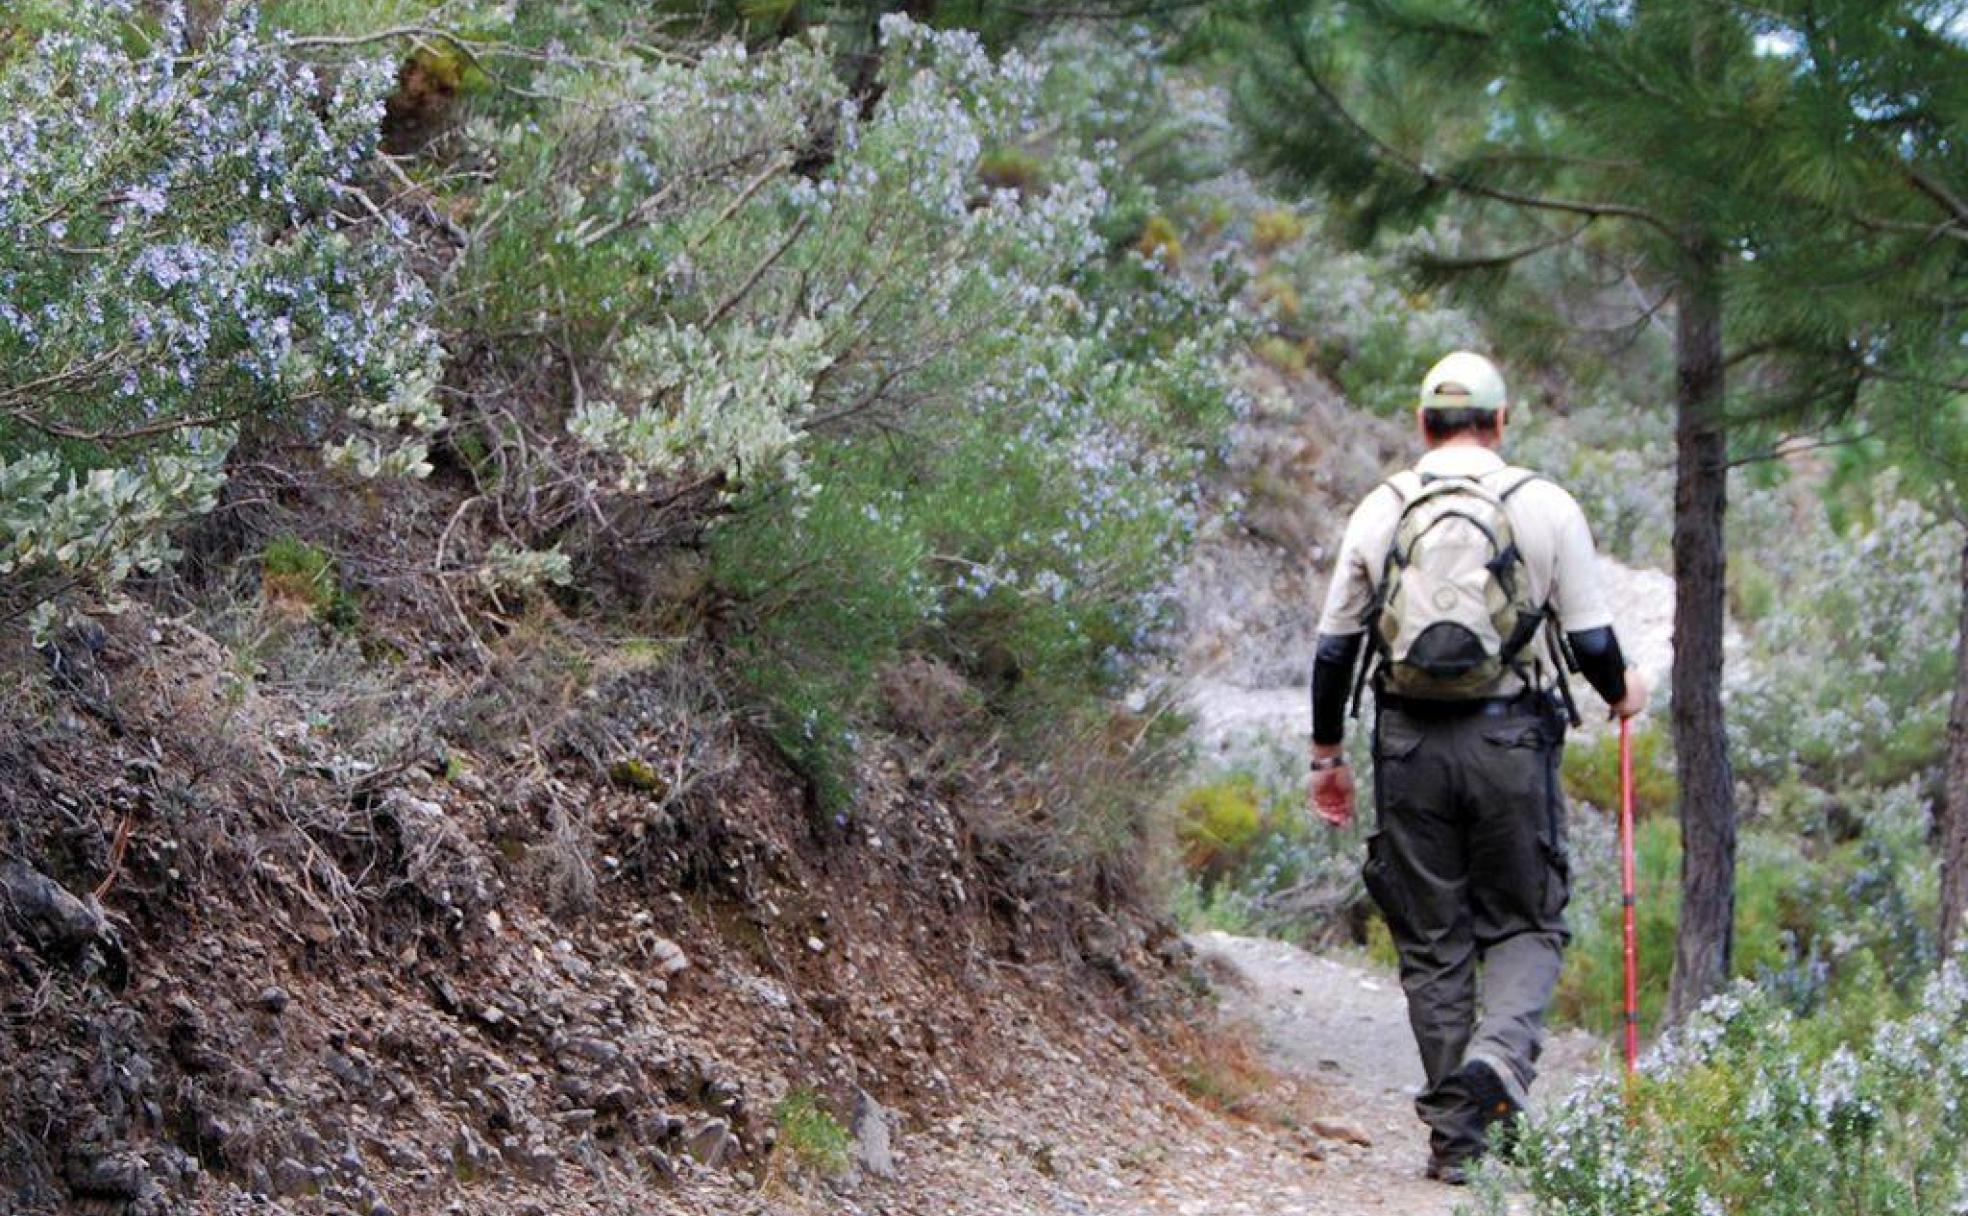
column 296, row 994
column 1079, row 1134
column 1097, row 1138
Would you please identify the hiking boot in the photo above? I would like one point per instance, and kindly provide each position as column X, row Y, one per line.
column 1448, row 1173
column 1488, row 1092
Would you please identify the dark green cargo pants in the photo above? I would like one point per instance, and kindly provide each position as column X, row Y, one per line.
column 1468, row 865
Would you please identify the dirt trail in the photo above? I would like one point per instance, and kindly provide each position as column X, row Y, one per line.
column 1341, row 1029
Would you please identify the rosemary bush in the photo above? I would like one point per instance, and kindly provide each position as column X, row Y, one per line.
column 183, row 256
column 1755, row 1111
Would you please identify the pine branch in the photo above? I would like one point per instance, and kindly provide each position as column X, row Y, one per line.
column 1785, row 450
column 1114, row 12
column 1948, row 200
column 1386, row 153
column 1436, row 265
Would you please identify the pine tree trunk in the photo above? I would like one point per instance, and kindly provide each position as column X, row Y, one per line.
column 1703, row 947
column 1954, row 807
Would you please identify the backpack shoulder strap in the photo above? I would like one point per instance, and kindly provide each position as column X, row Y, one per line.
column 1523, row 478
column 1406, row 484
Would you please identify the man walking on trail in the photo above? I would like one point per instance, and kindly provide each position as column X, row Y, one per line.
column 1464, row 578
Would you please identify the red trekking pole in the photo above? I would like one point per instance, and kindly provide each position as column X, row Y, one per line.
column 1626, row 896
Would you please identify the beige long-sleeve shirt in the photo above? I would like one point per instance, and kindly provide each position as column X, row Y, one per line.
column 1550, row 530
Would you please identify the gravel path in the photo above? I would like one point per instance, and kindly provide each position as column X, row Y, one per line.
column 1076, row 1138
column 1339, row 1029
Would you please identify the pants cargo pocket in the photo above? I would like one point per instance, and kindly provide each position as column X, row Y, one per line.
column 1383, row 886
column 1557, row 884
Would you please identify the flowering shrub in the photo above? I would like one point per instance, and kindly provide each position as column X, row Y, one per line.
column 1752, row 1110
column 1852, row 665
column 930, row 410
column 173, row 269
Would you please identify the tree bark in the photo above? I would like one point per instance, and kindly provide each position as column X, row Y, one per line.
column 1954, row 796
column 1705, row 942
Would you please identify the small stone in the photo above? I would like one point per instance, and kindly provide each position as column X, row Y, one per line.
column 110, row 1175
column 659, row 1164
column 708, row 1142
column 273, row 999
column 816, row 945
column 1342, row 1130
column 668, row 956
column 471, row 1155
column 872, row 1131
column 536, row 1161
column 290, row 1177
column 591, row 1048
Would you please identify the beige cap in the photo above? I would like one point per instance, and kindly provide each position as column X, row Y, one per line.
column 1463, row 381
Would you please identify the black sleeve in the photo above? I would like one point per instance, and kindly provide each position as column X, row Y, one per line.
column 1600, row 661
column 1332, row 679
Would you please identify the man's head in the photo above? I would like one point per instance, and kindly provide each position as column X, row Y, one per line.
column 1463, row 401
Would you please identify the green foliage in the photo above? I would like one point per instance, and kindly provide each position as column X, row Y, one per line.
column 1275, row 228
column 1159, row 241
column 1852, row 666
column 1218, row 908
column 177, row 271
column 1279, row 298
column 1770, row 919
column 1281, row 353
column 1753, row 592
column 1118, row 95
column 1591, row 771
column 1374, row 339
column 342, row 17
column 810, row 1133
column 907, row 390
column 1254, row 859
column 1750, row 1109
column 1011, row 169
column 1218, row 824
column 1516, row 132
column 636, row 774
column 1607, row 451
column 297, row 572
column 1814, row 919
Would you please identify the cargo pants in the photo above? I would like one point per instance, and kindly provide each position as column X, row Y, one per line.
column 1468, row 864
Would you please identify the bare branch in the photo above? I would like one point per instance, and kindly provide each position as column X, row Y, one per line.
column 420, row 33
column 758, row 272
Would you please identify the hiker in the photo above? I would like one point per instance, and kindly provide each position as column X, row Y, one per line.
column 1471, row 586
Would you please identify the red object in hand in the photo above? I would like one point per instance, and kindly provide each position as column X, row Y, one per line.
column 1627, row 897
column 1333, row 794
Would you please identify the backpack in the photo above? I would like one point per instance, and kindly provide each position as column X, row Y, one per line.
column 1453, row 611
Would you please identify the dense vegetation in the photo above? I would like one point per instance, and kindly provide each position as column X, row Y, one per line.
column 884, row 367
column 682, row 335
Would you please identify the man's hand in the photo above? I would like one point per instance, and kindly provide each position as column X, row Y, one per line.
column 1332, row 789
column 1635, row 699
